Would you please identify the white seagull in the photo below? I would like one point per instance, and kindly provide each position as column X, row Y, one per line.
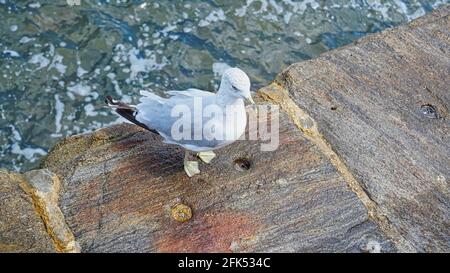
column 156, row 114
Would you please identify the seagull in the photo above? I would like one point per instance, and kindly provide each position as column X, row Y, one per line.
column 156, row 114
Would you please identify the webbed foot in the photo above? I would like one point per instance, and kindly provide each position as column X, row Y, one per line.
column 191, row 168
column 206, row 157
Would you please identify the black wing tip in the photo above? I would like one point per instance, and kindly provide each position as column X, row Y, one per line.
column 126, row 112
column 109, row 100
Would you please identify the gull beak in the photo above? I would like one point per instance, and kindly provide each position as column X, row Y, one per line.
column 250, row 100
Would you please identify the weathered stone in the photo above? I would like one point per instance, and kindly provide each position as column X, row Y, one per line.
column 21, row 228
column 118, row 191
column 367, row 102
column 44, row 186
column 363, row 165
column 181, row 212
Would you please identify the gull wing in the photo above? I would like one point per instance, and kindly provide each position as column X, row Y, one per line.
column 191, row 92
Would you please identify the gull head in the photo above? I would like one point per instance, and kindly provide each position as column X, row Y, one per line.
column 236, row 83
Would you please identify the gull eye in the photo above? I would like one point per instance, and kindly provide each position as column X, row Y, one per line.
column 235, row 88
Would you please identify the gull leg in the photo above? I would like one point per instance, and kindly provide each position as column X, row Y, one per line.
column 207, row 156
column 190, row 167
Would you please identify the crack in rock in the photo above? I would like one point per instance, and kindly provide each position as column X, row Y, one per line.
column 43, row 186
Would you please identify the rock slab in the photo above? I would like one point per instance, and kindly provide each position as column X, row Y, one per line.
column 21, row 228
column 363, row 165
column 118, row 193
column 382, row 105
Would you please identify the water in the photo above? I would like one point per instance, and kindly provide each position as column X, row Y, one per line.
column 58, row 61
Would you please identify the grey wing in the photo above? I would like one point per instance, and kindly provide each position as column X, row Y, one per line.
column 156, row 113
column 191, row 92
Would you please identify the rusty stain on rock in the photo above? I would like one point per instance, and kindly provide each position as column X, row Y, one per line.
column 210, row 232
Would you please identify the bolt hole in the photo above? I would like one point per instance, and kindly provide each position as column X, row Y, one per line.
column 429, row 111
column 242, row 164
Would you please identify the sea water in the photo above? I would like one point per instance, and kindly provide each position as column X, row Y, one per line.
column 58, row 59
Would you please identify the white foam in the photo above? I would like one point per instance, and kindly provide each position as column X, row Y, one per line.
column 111, row 75
column 418, row 13
column 11, row 53
column 15, row 133
column 80, row 89
column 117, row 87
column 214, row 16
column 382, row 8
column 138, row 65
column 287, row 17
column 81, row 71
column 300, row 7
column 59, row 108
column 242, row 11
column 39, row 59
column 28, row 153
column 25, row 40
column 58, row 64
column 278, row 8
column 286, row 8
column 89, row 109
column 401, row 7
column 35, row 5
column 168, row 29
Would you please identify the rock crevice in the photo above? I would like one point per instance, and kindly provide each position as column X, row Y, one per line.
column 43, row 187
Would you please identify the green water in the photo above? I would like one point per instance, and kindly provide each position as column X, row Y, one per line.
column 58, row 61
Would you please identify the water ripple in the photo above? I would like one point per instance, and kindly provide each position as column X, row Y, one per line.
column 57, row 61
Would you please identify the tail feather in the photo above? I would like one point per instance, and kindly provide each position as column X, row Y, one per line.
column 127, row 111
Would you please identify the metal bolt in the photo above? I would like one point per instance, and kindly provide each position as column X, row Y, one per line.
column 181, row 213
column 429, row 111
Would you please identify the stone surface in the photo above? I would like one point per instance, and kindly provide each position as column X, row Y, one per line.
column 21, row 228
column 382, row 105
column 44, row 187
column 119, row 186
